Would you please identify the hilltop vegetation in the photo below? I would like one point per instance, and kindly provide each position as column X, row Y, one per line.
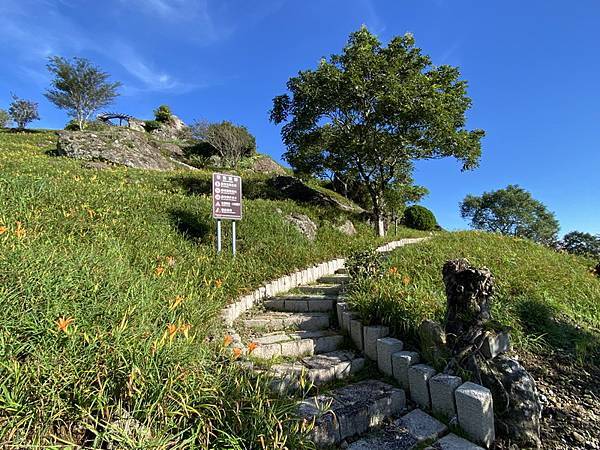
column 110, row 285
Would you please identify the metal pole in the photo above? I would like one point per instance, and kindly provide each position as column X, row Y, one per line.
column 218, row 235
column 233, row 238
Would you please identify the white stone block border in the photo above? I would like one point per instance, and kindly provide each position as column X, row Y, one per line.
column 287, row 282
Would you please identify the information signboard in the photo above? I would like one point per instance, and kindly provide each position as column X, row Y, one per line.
column 227, row 196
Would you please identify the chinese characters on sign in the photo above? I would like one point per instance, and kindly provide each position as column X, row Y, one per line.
column 227, row 196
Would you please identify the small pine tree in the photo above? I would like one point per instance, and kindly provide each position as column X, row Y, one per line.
column 162, row 114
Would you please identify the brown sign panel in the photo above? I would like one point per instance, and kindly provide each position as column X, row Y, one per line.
column 227, row 196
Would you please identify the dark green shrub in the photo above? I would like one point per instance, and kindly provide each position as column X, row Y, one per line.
column 72, row 125
column 364, row 264
column 162, row 113
column 419, row 218
column 151, row 125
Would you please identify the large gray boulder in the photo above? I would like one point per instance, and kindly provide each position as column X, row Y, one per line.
column 295, row 189
column 121, row 146
column 303, row 224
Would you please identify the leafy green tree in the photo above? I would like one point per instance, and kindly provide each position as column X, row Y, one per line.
column 372, row 110
column 23, row 112
column 581, row 243
column 4, row 119
column 79, row 87
column 231, row 142
column 511, row 211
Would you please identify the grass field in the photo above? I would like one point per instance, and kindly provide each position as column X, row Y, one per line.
column 548, row 298
column 110, row 287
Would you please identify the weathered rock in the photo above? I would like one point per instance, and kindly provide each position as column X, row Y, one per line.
column 469, row 293
column 432, row 339
column 172, row 129
column 468, row 319
column 517, row 404
column 347, row 228
column 137, row 125
column 304, row 225
column 121, row 146
column 264, row 164
column 596, row 270
column 294, row 189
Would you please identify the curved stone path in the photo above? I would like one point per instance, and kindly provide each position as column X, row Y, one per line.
column 299, row 342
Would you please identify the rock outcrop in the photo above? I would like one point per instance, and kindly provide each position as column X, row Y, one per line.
column 171, row 129
column 264, row 164
column 294, row 189
column 121, row 146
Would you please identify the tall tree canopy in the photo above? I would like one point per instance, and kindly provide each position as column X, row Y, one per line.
column 79, row 87
column 365, row 115
column 512, row 211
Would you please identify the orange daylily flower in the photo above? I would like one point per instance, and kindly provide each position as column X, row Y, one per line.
column 218, row 283
column 227, row 340
column 252, row 346
column 176, row 302
column 172, row 329
column 63, row 323
column 393, row 270
column 185, row 329
column 237, row 352
column 406, row 280
column 159, row 271
column 3, row 229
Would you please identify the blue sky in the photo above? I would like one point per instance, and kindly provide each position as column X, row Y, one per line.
column 533, row 69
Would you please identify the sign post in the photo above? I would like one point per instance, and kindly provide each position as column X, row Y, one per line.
column 227, row 203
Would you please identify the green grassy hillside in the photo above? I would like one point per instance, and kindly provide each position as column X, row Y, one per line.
column 549, row 298
column 124, row 261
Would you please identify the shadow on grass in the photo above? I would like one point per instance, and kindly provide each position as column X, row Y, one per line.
column 189, row 225
column 559, row 330
column 253, row 187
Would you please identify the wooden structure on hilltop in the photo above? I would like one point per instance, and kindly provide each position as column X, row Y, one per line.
column 106, row 117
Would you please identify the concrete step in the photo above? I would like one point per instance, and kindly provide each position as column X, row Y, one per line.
column 315, row 370
column 321, row 289
column 407, row 432
column 342, row 271
column 351, row 410
column 334, row 279
column 276, row 320
column 453, row 442
column 302, row 303
column 296, row 344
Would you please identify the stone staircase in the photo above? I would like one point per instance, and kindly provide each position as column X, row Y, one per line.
column 299, row 342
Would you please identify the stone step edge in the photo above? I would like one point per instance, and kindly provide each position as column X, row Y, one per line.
column 444, row 395
column 288, row 282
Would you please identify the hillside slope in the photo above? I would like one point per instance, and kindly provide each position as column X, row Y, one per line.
column 110, row 285
column 550, row 299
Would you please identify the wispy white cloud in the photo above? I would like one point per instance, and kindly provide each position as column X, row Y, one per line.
column 449, row 53
column 373, row 20
column 151, row 78
column 56, row 34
